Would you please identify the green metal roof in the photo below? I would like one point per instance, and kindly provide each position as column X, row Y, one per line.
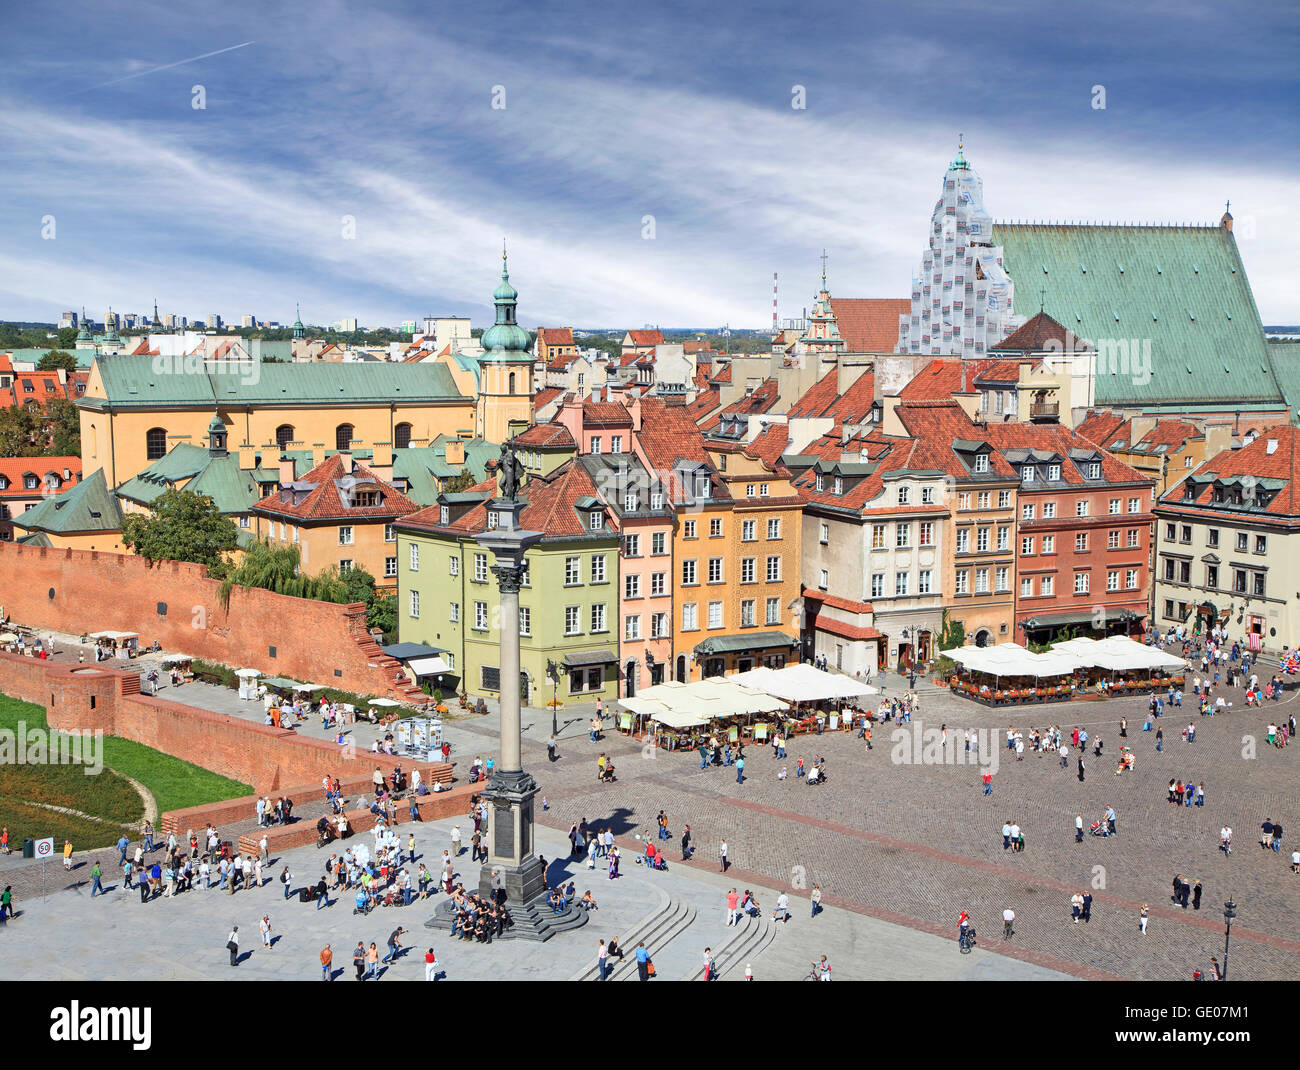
column 232, row 489
column 423, row 467
column 133, row 381
column 89, row 506
column 1285, row 360
column 1183, row 288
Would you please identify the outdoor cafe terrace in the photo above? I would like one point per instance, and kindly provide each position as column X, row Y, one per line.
column 1008, row 674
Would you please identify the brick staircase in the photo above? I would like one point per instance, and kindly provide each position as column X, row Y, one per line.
column 400, row 684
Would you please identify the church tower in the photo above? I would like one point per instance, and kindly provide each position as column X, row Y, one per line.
column 961, row 296
column 822, row 334
column 505, row 381
column 299, row 331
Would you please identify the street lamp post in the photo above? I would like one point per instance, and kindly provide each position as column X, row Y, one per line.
column 1229, row 912
column 553, row 671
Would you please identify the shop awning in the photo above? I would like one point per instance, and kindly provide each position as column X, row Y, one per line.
column 803, row 683
column 404, row 651
column 579, row 659
column 427, row 666
column 1077, row 616
column 734, row 644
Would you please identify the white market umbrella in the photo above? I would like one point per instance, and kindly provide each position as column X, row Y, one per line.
column 384, row 702
column 248, row 674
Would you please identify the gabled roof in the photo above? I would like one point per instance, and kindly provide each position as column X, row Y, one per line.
column 542, row 436
column 1040, row 334
column 605, row 414
column 1171, row 434
column 89, row 506
column 823, row 399
column 1002, row 371
column 326, row 486
column 1109, row 430
column 555, row 336
column 1182, row 288
column 869, row 324
column 942, row 378
column 14, row 469
column 653, row 337
column 232, row 489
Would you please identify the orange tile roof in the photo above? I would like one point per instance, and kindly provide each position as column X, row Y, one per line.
column 546, row 395
column 824, row 399
column 1171, row 433
column 555, row 336
column 13, row 469
column 942, row 378
column 843, row 630
column 325, row 503
column 869, row 324
column 1001, row 371
column 836, row 602
column 1038, row 335
column 1251, row 460
column 545, row 435
column 768, row 445
column 647, row 337
column 605, row 414
column 1103, row 428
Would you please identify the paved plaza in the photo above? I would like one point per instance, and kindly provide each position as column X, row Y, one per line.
column 898, row 850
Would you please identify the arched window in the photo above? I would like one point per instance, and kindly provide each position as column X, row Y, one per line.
column 155, row 443
column 512, row 383
column 401, row 436
column 343, row 437
column 283, row 435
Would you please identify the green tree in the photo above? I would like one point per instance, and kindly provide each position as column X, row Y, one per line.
column 180, row 526
column 951, row 633
column 382, row 614
column 63, row 425
column 19, row 431
column 67, row 337
column 461, row 481
column 57, row 358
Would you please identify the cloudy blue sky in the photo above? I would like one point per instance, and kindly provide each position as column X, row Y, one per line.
column 614, row 111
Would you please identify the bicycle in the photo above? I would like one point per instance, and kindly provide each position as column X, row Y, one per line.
column 815, row 971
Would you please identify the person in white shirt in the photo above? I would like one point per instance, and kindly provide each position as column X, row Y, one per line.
column 1225, row 839
column 1008, row 917
column 1006, row 835
column 782, row 907
column 1015, row 836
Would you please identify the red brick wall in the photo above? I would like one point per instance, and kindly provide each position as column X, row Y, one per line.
column 96, row 591
column 267, row 758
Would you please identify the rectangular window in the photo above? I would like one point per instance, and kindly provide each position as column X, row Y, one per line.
column 1027, row 587
column 1261, row 544
column 747, row 531
column 389, row 534
column 963, row 500
column 1081, row 583
column 632, row 585
column 1115, row 503
column 981, row 581
column 595, row 443
column 1131, row 579
column 1258, row 584
column 715, row 614
column 774, row 528
column 982, row 540
column 415, row 559
column 658, row 625
column 688, row 571
column 688, row 529
column 963, row 540
column 825, row 533
column 1132, row 537
column 773, row 569
column 903, row 536
column 1049, row 510
column 747, row 570
column 983, row 499
column 598, row 617
column 927, row 533
column 1002, row 579
column 690, row 617
column 658, row 543
column 923, row 580
column 1239, row 580
column 1112, row 580
column 453, row 565
column 1026, row 545
column 1049, row 544
column 631, row 545
column 747, row 613
column 572, row 619
column 927, row 495
column 1004, row 499
column 1112, row 540
column 773, row 611
column 596, row 520
column 414, row 610
column 525, row 621
column 1135, row 505
column 658, row 583
column 877, row 536
column 1045, row 585
column 877, row 585
column 1004, row 538
column 480, row 568
column 1081, row 541
column 1211, row 537
column 961, row 581
column 1053, row 473
column 749, row 490
column 1026, row 512
column 1081, row 507
column 453, row 612
column 904, row 495
column 616, row 444
column 572, row 570
column 982, row 459
column 632, row 627
column 390, row 567
column 345, row 565
column 480, row 616
column 597, row 568
column 715, row 570
column 345, row 535
column 762, row 490
column 901, row 580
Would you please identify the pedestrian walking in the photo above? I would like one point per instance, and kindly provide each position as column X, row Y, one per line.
column 285, row 878
column 988, row 782
column 1008, row 923
column 326, row 962
column 1080, row 768
column 686, row 843
column 95, row 886
column 816, row 900
column 1142, row 920
column 722, row 855
column 232, row 945
column 740, row 770
column 264, row 927
column 1078, row 828
column 1087, row 907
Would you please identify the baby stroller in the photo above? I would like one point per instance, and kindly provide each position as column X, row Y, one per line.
column 363, row 903
column 1098, row 828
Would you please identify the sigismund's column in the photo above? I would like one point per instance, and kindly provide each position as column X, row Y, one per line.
column 510, row 790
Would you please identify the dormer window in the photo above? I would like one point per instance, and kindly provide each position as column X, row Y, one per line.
column 981, row 462
column 444, row 515
column 904, row 495
column 839, row 485
column 1094, row 469
column 493, row 517
column 821, row 483
column 596, row 521
column 701, row 486
column 30, row 482
column 1027, row 474
column 631, row 503
column 1053, row 473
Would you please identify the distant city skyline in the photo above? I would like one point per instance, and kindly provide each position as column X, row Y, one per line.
column 663, row 190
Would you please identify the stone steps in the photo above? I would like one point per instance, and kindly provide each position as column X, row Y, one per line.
column 752, row 936
column 659, row 930
column 532, row 921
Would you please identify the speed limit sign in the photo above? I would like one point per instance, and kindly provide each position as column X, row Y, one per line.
column 45, row 848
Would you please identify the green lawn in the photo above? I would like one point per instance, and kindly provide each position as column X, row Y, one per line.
column 175, row 784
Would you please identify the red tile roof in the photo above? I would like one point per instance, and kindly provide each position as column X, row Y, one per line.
column 1103, row 428
column 836, row 602
column 555, row 336
column 605, row 414
column 768, row 445
column 669, row 432
column 942, row 378
column 1170, row 433
column 13, row 469
column 1002, row 371
column 844, row 631
column 1251, row 460
column 647, row 338
column 545, row 435
column 325, row 502
column 43, row 386
column 824, row 399
column 869, row 324
column 1038, row 335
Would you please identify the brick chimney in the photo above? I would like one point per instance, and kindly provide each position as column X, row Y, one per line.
column 288, row 470
column 456, row 451
column 345, row 456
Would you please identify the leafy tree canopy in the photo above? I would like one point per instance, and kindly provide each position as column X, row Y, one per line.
column 57, row 358
column 180, row 526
